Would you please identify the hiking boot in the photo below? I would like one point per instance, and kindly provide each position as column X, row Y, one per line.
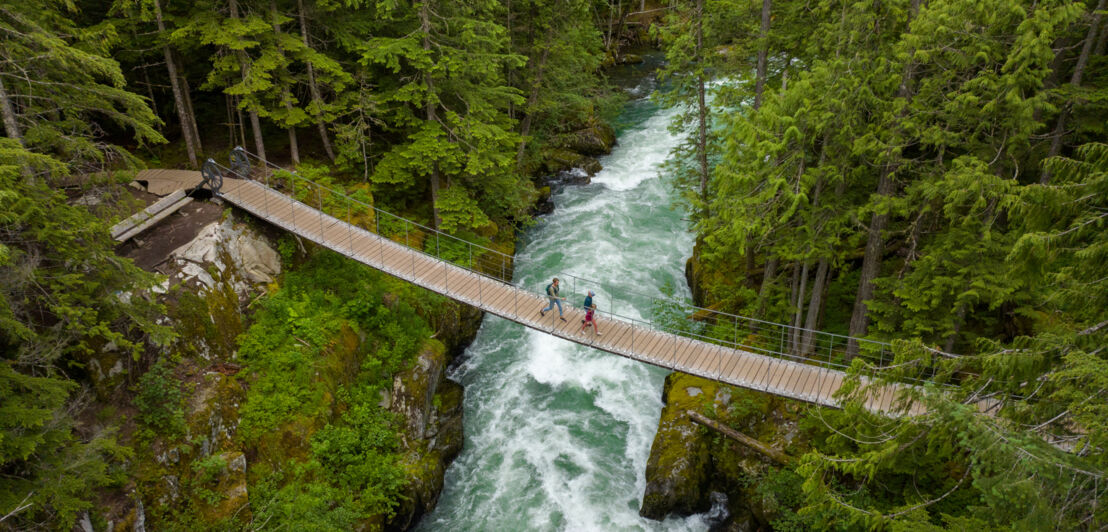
column 542, row 313
column 563, row 319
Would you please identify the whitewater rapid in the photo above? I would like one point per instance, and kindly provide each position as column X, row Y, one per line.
column 556, row 434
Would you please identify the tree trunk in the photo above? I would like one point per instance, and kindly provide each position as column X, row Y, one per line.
column 763, row 52
column 799, row 316
column 313, row 87
column 875, row 243
column 871, row 264
column 959, row 318
column 767, row 280
column 1101, row 44
column 794, row 295
column 702, row 111
column 255, row 124
column 241, row 121
column 286, row 94
column 767, row 451
column 7, row 112
column 188, row 105
column 532, row 100
column 814, row 306
column 178, row 98
column 425, row 26
column 785, row 74
column 1075, row 81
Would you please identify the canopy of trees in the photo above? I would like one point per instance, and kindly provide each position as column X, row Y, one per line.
column 917, row 170
column 440, row 109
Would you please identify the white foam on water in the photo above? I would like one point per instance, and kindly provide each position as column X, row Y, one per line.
column 639, row 154
column 558, row 434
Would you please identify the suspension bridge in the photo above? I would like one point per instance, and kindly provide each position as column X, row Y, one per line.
column 774, row 358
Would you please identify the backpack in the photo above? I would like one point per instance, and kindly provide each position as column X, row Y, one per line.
column 550, row 289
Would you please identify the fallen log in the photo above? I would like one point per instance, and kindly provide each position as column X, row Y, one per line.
column 765, row 450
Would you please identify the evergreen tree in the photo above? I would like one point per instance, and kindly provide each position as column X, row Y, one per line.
column 63, row 291
column 450, row 107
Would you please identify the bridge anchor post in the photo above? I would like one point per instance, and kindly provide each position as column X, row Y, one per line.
column 213, row 176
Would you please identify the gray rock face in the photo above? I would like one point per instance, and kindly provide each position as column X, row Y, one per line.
column 227, row 244
column 431, row 408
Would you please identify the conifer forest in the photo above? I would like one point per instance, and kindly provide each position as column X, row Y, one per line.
column 928, row 174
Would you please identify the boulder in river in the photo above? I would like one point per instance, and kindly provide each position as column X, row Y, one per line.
column 594, row 139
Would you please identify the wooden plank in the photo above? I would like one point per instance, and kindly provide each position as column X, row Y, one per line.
column 782, row 376
column 755, row 368
column 141, row 216
column 149, row 216
column 652, row 346
column 734, row 362
column 682, row 353
column 704, row 357
column 831, row 383
column 667, row 351
column 795, row 373
column 801, row 385
column 713, row 359
column 619, row 332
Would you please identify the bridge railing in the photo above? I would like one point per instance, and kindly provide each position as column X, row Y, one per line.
column 665, row 314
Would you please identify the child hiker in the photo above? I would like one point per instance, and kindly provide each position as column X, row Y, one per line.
column 590, row 318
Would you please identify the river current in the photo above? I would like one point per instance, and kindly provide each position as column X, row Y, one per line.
column 557, row 434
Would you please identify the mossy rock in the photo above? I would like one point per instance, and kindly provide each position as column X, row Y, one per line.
column 107, row 370
column 231, row 491
column 212, row 415
column 677, row 472
column 556, row 160
column 431, row 407
column 413, row 390
column 595, row 139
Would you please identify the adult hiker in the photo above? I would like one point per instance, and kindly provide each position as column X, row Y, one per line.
column 590, row 309
column 555, row 299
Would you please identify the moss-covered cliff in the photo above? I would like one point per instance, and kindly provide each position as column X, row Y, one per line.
column 316, row 397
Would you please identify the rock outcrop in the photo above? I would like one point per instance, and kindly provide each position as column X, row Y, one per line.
column 431, row 407
column 677, row 471
column 688, row 463
column 228, row 245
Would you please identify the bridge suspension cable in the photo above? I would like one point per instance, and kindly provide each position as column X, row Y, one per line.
column 675, row 334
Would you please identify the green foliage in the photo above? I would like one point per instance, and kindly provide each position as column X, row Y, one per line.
column 359, row 452
column 300, row 497
column 319, row 352
column 160, row 400
column 65, row 297
column 208, row 469
column 930, row 120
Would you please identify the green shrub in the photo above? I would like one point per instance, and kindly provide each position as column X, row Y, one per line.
column 359, row 452
column 159, row 400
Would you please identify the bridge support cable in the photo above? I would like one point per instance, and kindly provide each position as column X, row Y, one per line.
column 676, row 335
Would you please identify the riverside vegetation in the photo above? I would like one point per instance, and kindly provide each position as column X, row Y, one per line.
column 318, row 399
column 930, row 172
column 899, row 170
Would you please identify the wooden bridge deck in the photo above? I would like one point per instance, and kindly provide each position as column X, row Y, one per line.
column 786, row 378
